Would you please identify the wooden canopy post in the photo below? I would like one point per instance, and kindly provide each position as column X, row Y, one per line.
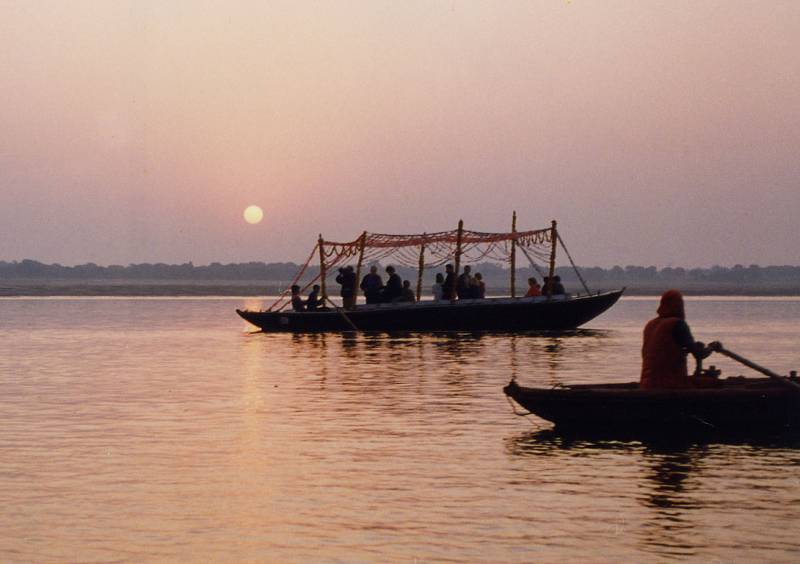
column 421, row 268
column 459, row 238
column 513, row 255
column 362, row 243
column 554, row 240
column 322, row 273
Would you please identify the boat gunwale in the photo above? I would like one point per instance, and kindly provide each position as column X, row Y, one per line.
column 732, row 385
column 754, row 406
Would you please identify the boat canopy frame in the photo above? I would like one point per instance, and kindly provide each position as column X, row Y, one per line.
column 432, row 250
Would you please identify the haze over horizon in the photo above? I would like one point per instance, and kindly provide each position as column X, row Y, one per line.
column 656, row 133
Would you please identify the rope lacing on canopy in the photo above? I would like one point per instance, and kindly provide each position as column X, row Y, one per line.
column 572, row 262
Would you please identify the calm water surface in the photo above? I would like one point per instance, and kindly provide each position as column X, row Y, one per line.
column 162, row 429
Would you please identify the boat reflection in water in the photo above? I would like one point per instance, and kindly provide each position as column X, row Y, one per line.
column 454, row 353
column 669, row 494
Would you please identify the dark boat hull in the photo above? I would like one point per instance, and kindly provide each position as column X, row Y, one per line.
column 736, row 405
column 494, row 314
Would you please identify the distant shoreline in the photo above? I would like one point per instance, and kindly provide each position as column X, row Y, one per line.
column 255, row 288
column 33, row 278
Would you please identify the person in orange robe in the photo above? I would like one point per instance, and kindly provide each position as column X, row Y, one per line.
column 533, row 288
column 667, row 341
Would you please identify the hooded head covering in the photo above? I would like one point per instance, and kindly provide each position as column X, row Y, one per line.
column 671, row 305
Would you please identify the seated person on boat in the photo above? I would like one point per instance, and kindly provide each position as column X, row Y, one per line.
column 667, row 342
column 393, row 288
column 297, row 301
column 478, row 289
column 533, row 288
column 407, row 294
column 553, row 286
column 558, row 287
column 313, row 302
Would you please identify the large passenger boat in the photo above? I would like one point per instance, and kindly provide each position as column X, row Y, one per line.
column 433, row 250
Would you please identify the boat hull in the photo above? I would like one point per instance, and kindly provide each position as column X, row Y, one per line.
column 493, row 314
column 735, row 405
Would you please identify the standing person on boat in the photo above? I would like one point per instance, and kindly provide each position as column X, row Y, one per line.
column 394, row 286
column 478, row 287
column 347, row 278
column 438, row 287
column 667, row 342
column 449, row 286
column 313, row 301
column 297, row 301
column 533, row 288
column 371, row 285
column 464, row 285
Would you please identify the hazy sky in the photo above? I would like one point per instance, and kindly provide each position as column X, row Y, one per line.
column 656, row 132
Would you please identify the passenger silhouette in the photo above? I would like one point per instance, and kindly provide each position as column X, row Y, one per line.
column 371, row 285
column 297, row 301
column 394, row 286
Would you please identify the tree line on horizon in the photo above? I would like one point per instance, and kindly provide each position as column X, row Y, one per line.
column 493, row 273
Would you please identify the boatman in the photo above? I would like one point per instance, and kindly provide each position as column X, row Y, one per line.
column 667, row 342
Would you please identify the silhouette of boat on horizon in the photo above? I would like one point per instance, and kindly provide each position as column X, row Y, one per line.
column 433, row 250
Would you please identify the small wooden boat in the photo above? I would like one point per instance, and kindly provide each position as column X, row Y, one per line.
column 491, row 314
column 729, row 405
column 556, row 310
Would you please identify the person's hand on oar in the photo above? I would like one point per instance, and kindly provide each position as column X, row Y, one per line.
column 700, row 351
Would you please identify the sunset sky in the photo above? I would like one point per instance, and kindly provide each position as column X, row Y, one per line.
column 655, row 132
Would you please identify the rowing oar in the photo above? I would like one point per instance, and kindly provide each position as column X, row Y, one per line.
column 717, row 347
column 340, row 310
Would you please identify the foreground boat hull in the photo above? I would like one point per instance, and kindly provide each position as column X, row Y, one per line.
column 494, row 314
column 736, row 405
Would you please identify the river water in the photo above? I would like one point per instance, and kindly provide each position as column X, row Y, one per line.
column 163, row 429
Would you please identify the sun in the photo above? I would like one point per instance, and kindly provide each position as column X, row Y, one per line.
column 253, row 214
